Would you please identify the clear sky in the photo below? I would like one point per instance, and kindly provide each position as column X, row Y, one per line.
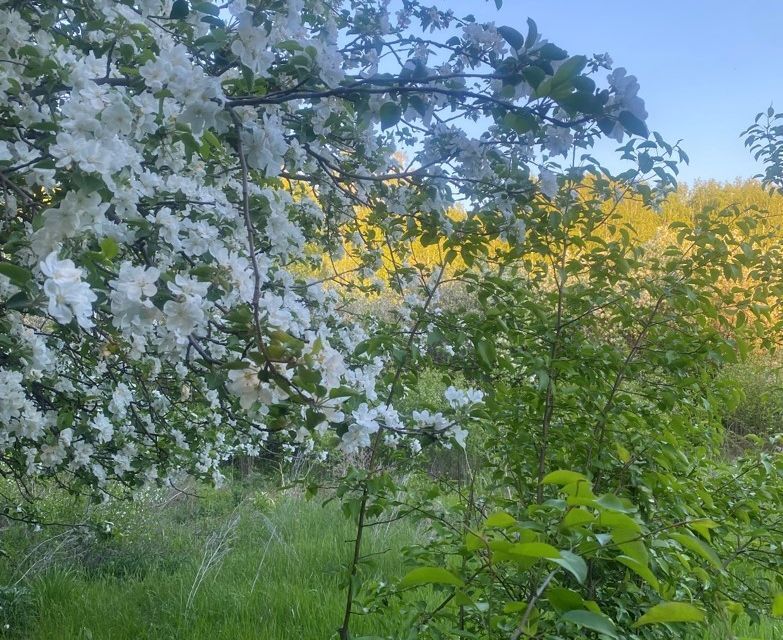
column 706, row 67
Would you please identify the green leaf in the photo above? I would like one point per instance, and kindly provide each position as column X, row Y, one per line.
column 699, row 547
column 564, row 599
column 16, row 274
column 572, row 563
column 207, row 7
column 702, row 527
column 577, row 517
column 552, row 52
column 645, row 162
column 514, row 607
column 430, row 575
column 534, row 76
column 390, row 114
column 512, row 36
column 544, row 88
column 180, row 9
column 563, row 477
column 594, row 621
column 18, row 301
column 109, row 248
column 474, row 542
column 486, row 352
column 633, row 548
column 88, row 182
column 617, row 520
column 532, row 32
column 417, row 103
column 671, row 612
column 500, row 520
column 216, row 22
column 567, row 71
column 519, row 122
column 641, row 570
column 633, row 125
column 613, row 503
column 535, row 550
column 777, row 606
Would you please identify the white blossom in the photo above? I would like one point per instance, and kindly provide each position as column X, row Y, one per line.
column 69, row 297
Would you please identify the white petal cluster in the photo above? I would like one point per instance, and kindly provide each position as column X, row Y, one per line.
column 69, row 297
column 253, row 45
column 625, row 98
column 458, row 398
column 364, row 423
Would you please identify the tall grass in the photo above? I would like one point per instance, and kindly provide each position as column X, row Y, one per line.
column 259, row 567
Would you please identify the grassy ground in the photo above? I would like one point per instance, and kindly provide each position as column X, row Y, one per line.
column 234, row 567
column 238, row 564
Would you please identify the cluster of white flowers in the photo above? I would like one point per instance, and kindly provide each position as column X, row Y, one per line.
column 625, row 98
column 458, row 398
column 69, row 297
column 17, row 412
column 364, row 423
column 485, row 35
column 548, row 183
column 252, row 45
column 439, row 425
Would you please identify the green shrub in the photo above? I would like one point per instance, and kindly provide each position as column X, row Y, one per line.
column 759, row 410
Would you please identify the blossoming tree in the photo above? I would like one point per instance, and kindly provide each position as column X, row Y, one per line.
column 174, row 172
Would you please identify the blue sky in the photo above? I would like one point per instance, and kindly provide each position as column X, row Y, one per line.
column 706, row 67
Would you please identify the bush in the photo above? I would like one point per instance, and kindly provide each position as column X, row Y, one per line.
column 759, row 410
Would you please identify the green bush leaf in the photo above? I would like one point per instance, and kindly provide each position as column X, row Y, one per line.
column 617, row 520
column 703, row 527
column 519, row 122
column 564, row 599
column 699, row 547
column 499, row 520
column 777, row 606
column 512, row 36
column 390, row 114
column 563, row 477
column 180, row 9
column 486, row 352
column 430, row 575
column 671, row 612
column 633, row 125
column 16, row 274
column 551, row 51
column 572, row 563
column 577, row 517
column 18, row 301
column 207, row 7
column 594, row 621
column 474, row 542
column 642, row 570
column 535, row 550
column 514, row 607
column 567, row 71
column 109, row 248
column 532, row 32
column 613, row 503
